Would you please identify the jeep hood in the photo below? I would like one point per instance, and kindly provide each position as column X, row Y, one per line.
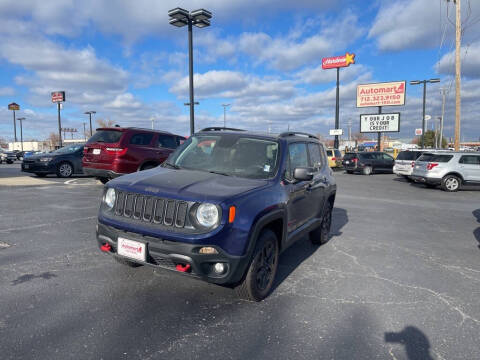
column 186, row 184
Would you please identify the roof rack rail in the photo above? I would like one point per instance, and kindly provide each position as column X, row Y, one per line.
column 295, row 133
column 220, row 128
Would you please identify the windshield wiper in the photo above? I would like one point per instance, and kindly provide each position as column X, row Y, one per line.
column 218, row 173
column 173, row 166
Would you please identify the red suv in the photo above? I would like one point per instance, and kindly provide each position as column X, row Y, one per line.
column 112, row 152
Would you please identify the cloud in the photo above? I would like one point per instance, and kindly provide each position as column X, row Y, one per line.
column 7, row 91
column 317, row 75
column 470, row 56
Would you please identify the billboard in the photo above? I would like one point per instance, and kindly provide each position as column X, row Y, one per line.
column 58, row 96
column 338, row 61
column 13, row 106
column 370, row 123
column 381, row 94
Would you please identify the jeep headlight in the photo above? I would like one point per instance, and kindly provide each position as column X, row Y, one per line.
column 110, row 198
column 207, row 215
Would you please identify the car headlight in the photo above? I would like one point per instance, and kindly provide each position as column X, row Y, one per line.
column 110, row 198
column 207, row 215
column 46, row 159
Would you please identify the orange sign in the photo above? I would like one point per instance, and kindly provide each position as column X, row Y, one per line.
column 381, row 94
column 338, row 61
column 13, row 106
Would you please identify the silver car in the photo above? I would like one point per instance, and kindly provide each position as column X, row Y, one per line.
column 405, row 162
column 450, row 170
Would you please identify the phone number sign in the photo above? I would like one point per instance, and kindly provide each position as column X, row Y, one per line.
column 370, row 123
column 381, row 94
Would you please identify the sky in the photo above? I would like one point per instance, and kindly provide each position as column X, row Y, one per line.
column 122, row 59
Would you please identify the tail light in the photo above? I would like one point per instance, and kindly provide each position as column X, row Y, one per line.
column 354, row 159
column 85, row 150
column 430, row 165
column 334, row 159
column 116, row 151
column 413, row 164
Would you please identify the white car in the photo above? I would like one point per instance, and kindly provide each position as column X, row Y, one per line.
column 405, row 162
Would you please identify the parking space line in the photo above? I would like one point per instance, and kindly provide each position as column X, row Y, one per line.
column 46, row 224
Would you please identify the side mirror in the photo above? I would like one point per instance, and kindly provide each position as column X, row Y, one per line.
column 303, row 173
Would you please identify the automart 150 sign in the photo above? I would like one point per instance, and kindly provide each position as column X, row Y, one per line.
column 381, row 94
column 380, row 123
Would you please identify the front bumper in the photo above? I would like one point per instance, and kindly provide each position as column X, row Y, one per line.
column 166, row 254
column 39, row 167
column 426, row 180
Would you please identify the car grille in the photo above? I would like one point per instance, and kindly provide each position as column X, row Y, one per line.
column 151, row 209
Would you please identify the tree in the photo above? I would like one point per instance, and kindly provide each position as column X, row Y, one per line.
column 358, row 136
column 429, row 140
column 54, row 140
column 3, row 142
column 105, row 123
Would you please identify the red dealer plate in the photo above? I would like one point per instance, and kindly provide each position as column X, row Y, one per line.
column 131, row 249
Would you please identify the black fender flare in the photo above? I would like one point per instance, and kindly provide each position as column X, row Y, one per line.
column 261, row 223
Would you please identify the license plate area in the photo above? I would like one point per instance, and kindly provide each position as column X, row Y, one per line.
column 131, row 249
column 96, row 152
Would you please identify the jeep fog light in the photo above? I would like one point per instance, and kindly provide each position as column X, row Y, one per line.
column 207, row 215
column 207, row 250
column 110, row 198
column 219, row 268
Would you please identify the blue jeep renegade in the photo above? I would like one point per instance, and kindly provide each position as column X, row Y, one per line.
column 222, row 207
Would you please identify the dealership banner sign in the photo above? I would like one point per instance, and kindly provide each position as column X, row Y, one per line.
column 381, row 94
column 13, row 106
column 370, row 123
column 338, row 61
column 58, row 96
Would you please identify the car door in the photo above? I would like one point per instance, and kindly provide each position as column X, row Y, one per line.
column 387, row 161
column 298, row 201
column 316, row 190
column 470, row 166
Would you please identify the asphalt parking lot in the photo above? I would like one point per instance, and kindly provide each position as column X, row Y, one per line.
column 399, row 279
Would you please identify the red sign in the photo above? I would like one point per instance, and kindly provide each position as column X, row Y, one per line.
column 338, row 61
column 58, row 96
column 418, row 132
column 381, row 94
column 13, row 106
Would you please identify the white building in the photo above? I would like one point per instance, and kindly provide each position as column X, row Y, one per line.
column 29, row 146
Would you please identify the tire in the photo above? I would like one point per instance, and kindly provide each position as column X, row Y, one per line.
column 260, row 275
column 127, row 262
column 103, row 180
column 40, row 175
column 408, row 178
column 320, row 235
column 451, row 183
column 367, row 170
column 349, row 171
column 9, row 162
column 64, row 170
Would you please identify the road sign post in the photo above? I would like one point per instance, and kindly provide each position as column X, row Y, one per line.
column 59, row 97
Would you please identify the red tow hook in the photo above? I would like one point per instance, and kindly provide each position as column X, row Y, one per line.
column 183, row 268
column 106, row 247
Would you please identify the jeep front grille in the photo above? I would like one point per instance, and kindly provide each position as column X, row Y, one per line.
column 151, row 209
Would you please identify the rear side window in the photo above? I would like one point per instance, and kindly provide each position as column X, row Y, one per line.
column 349, row 156
column 329, row 152
column 408, row 155
column 367, row 156
column 141, row 139
column 435, row 158
column 166, row 141
column 298, row 157
column 315, row 155
column 338, row 153
column 106, row 136
column 470, row 160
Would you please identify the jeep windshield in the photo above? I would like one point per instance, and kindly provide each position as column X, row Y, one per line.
column 228, row 154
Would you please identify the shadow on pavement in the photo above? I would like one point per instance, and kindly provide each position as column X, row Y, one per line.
column 416, row 342
column 476, row 232
column 296, row 254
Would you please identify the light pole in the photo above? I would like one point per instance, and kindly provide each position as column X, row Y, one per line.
column 89, row 113
column 200, row 18
column 424, row 82
column 21, row 130
column 225, row 113
column 84, row 132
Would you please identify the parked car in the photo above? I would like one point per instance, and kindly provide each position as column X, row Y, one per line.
column 334, row 158
column 451, row 170
column 112, row 152
column 19, row 154
column 7, row 156
column 405, row 162
column 367, row 162
column 63, row 162
column 222, row 207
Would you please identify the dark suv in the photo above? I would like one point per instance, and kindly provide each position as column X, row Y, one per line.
column 222, row 207
column 367, row 162
column 112, row 152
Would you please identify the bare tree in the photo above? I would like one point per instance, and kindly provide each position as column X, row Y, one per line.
column 53, row 139
column 105, row 123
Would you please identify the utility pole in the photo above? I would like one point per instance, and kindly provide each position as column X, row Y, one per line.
column 225, row 113
column 458, row 33
column 444, row 93
column 84, row 132
column 152, row 119
column 349, row 123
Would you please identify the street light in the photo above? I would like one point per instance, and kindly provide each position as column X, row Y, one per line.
column 424, row 82
column 89, row 113
column 200, row 18
column 225, row 113
column 21, row 130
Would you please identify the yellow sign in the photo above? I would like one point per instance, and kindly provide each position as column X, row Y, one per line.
column 13, row 106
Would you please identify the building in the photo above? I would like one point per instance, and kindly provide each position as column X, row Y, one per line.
column 29, row 146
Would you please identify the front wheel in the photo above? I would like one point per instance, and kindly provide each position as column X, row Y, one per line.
column 451, row 183
column 367, row 170
column 9, row 162
column 262, row 270
column 64, row 170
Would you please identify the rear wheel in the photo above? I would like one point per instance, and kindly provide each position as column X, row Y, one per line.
column 261, row 273
column 320, row 235
column 64, row 170
column 451, row 183
column 367, row 170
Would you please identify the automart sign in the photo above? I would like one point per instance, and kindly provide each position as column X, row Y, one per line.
column 381, row 94
column 58, row 96
column 13, row 106
column 380, row 123
column 338, row 61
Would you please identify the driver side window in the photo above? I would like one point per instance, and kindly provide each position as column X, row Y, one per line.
column 297, row 156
